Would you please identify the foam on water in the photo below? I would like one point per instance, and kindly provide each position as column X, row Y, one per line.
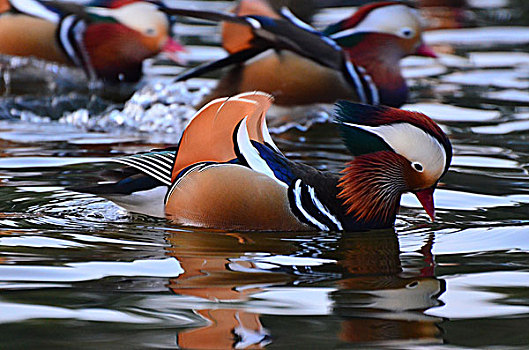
column 158, row 108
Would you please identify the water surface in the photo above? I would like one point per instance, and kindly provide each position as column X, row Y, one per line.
column 76, row 270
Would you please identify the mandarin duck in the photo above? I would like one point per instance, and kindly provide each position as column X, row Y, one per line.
column 355, row 59
column 227, row 173
column 108, row 42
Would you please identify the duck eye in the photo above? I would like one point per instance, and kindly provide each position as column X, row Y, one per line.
column 407, row 32
column 150, row 31
column 417, row 166
column 412, row 284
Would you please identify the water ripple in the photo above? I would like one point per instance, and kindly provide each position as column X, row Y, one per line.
column 93, row 270
column 481, row 296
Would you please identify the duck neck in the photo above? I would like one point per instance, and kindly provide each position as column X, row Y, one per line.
column 371, row 188
column 380, row 56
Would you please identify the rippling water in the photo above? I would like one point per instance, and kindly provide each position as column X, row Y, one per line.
column 76, row 270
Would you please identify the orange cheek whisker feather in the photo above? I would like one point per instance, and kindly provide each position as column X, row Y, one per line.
column 371, row 186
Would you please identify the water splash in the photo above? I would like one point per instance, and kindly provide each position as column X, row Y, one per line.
column 158, row 108
column 33, row 75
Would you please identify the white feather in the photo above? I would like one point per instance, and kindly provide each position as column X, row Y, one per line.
column 386, row 19
column 323, row 209
column 297, row 199
column 251, row 155
column 412, row 143
column 372, row 86
column 34, row 8
column 153, row 170
column 149, row 202
column 285, row 11
column 359, row 88
column 140, row 16
column 267, row 137
column 254, row 23
column 65, row 28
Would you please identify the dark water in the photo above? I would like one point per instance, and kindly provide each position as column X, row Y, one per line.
column 77, row 271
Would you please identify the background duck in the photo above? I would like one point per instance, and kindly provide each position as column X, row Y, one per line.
column 355, row 59
column 227, row 173
column 109, row 40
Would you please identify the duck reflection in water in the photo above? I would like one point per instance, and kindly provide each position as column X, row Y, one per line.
column 355, row 282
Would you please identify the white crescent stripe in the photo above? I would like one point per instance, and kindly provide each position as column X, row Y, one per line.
column 253, row 22
column 285, row 11
column 64, row 30
column 266, row 136
column 36, row 9
column 356, row 79
column 310, row 218
column 251, row 155
column 322, row 208
column 372, row 87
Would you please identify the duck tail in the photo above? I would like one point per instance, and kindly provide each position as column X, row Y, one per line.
column 236, row 37
column 209, row 135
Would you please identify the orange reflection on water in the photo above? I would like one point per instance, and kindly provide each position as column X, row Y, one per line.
column 361, row 274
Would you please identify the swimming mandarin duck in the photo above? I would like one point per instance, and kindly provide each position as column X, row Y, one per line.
column 227, row 173
column 109, row 43
column 355, row 59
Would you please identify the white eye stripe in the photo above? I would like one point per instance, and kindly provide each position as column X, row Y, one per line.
column 413, row 143
column 391, row 19
column 138, row 16
column 344, row 33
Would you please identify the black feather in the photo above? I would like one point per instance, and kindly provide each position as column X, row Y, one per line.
column 357, row 140
column 207, row 15
column 232, row 59
column 281, row 34
column 126, row 186
column 357, row 113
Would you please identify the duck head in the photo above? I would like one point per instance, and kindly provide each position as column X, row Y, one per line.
column 132, row 32
column 395, row 151
column 376, row 38
column 393, row 27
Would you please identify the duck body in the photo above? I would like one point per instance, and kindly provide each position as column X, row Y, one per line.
column 235, row 196
column 356, row 59
column 227, row 173
column 295, row 81
column 108, row 42
column 39, row 36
